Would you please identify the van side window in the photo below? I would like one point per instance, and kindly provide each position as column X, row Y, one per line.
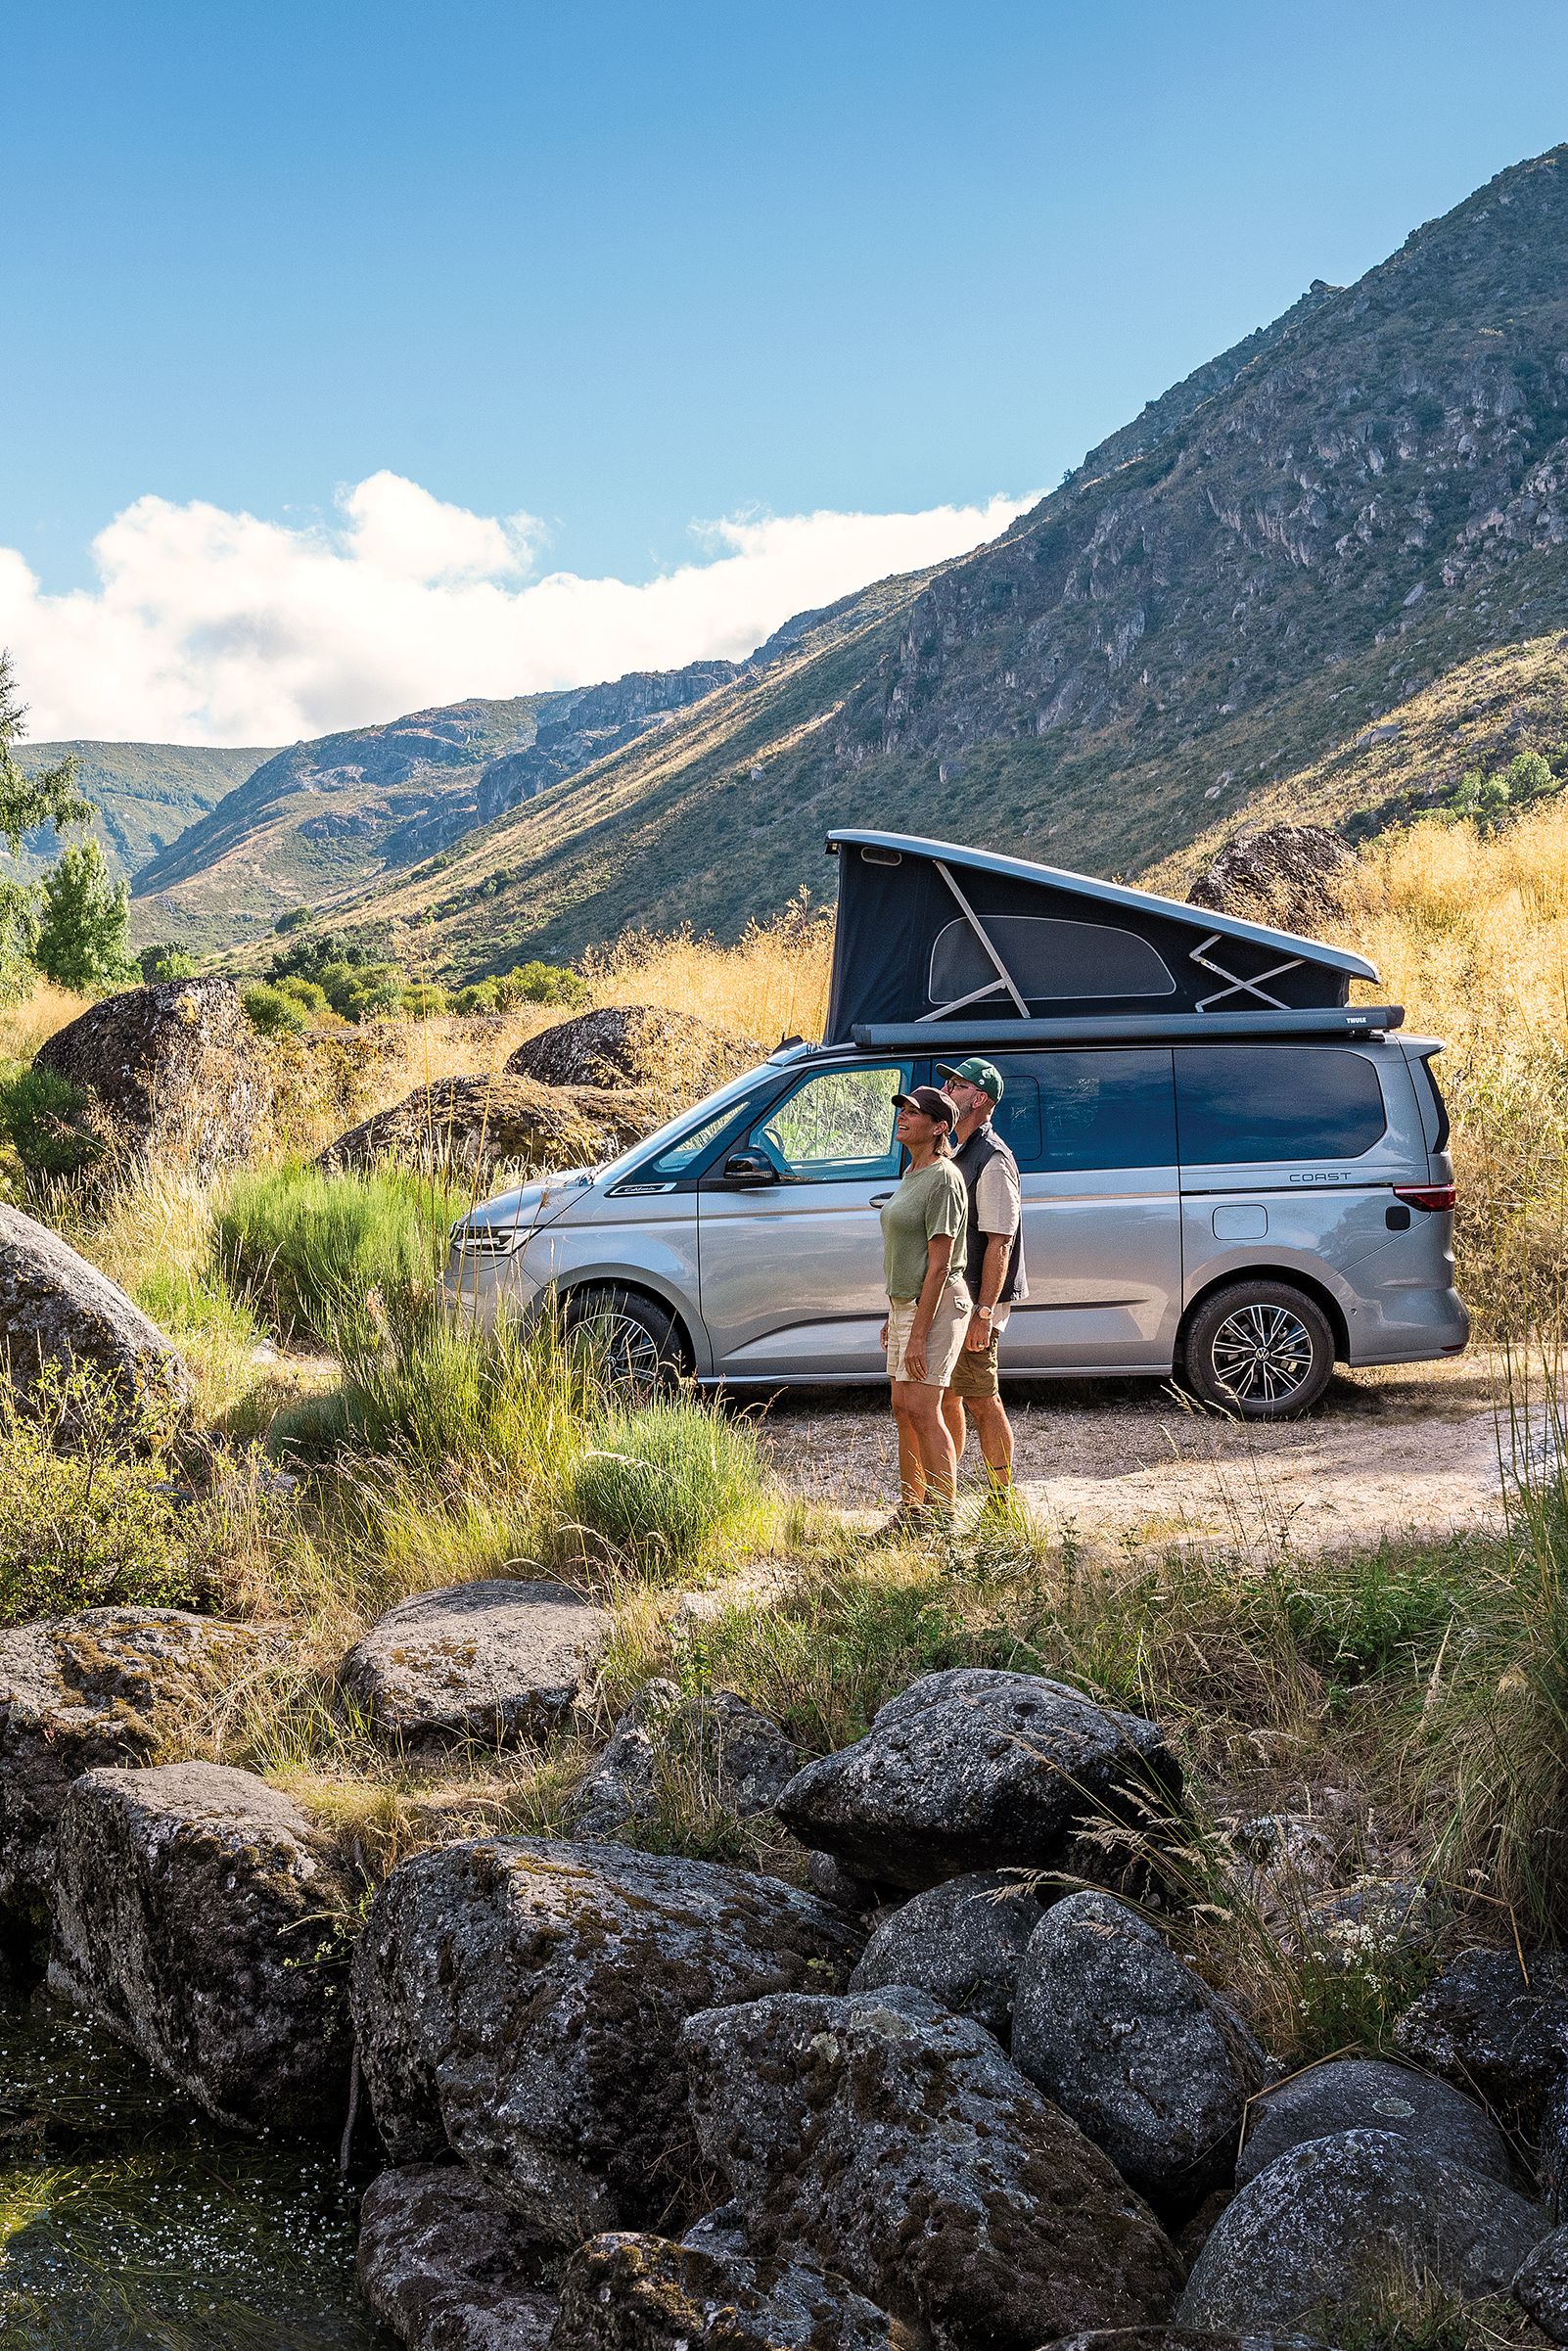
column 1061, row 1112
column 836, row 1128
column 1239, row 1103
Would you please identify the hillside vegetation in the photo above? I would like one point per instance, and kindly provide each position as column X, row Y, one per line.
column 146, row 794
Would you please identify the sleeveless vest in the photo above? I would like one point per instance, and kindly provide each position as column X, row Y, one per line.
column 970, row 1159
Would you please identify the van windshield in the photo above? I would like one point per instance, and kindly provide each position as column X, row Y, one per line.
column 672, row 1148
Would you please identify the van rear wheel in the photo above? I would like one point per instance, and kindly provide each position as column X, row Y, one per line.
column 1259, row 1349
column 633, row 1343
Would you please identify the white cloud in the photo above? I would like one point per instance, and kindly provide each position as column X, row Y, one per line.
column 215, row 627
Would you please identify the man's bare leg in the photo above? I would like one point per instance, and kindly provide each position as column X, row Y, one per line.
column 952, row 1412
column 996, row 1433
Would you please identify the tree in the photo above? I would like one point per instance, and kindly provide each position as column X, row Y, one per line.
column 166, row 962
column 81, row 923
column 27, row 802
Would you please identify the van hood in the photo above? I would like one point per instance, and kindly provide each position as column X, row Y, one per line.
column 532, row 1205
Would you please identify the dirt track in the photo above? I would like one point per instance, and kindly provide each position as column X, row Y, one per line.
column 1409, row 1451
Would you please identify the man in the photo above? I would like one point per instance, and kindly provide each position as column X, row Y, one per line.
column 995, row 1267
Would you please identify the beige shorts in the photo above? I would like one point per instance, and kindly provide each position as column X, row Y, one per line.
column 944, row 1339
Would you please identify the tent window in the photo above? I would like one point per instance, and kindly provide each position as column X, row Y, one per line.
column 1049, row 960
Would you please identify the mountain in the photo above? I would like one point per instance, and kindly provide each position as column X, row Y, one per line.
column 324, row 816
column 146, row 792
column 1314, row 527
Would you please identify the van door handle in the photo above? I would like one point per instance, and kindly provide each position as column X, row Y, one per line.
column 879, row 1199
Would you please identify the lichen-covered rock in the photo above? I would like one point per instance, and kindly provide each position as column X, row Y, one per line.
column 1314, row 2235
column 1173, row 2338
column 1493, row 2026
column 468, row 1126
column 495, row 1661
column 1133, row 2046
column 621, row 1046
column 961, row 1942
column 973, row 1770
column 1363, row 2094
column 447, row 2266
column 829, row 1878
column 629, row 2292
column 1291, row 874
column 893, row 2143
column 103, row 1687
column 193, row 1912
column 57, row 1315
column 171, row 1070
column 738, row 1755
column 519, row 2004
column 1541, row 2288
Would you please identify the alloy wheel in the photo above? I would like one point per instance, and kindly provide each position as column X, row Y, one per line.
column 1263, row 1354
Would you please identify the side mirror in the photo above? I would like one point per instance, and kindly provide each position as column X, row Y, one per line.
column 750, row 1168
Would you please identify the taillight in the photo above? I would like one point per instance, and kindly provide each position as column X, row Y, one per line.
column 1431, row 1196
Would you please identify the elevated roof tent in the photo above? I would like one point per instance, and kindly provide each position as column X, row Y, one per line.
column 930, row 934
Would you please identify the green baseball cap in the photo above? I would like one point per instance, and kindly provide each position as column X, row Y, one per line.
column 983, row 1074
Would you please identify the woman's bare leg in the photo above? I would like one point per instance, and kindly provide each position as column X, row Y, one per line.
column 911, row 1457
column 940, row 1463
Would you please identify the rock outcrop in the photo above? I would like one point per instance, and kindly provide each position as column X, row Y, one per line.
column 737, row 1754
column 973, row 1770
column 447, row 2266
column 1293, row 876
column 104, row 1688
column 645, row 1045
column 497, row 1662
column 630, row 2292
column 1130, row 2042
column 470, row 1126
column 192, row 1910
column 59, row 1314
column 1312, row 2237
column 895, row 2144
column 962, row 1942
column 173, row 1069
column 519, row 2005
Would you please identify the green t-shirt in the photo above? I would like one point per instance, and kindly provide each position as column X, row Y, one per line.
column 930, row 1200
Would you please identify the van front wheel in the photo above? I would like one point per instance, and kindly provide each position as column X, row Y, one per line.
column 1263, row 1350
column 631, row 1342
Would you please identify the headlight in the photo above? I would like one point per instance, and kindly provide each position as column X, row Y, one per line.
column 467, row 1239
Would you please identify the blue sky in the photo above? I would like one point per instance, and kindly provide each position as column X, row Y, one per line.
column 621, row 269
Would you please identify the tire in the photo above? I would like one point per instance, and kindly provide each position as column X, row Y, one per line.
column 1259, row 1350
column 632, row 1338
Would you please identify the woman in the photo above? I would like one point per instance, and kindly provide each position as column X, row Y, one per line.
column 923, row 1228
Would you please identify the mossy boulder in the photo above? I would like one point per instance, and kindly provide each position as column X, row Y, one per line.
column 447, row 2266
column 642, row 1046
column 470, row 1126
column 58, row 1316
column 629, row 2292
column 172, row 1070
column 497, row 1661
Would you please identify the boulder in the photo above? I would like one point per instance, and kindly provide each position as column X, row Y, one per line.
column 57, row 1315
column 1291, row 874
column 961, row 1942
column 1376, row 1921
column 1172, row 2339
column 628, row 2293
column 1541, row 2288
column 192, row 1912
column 1134, row 2046
column 1363, row 2094
column 497, row 1662
column 622, row 1046
column 106, row 1686
column 1308, row 2240
column 973, row 1770
column 742, row 1757
column 470, row 1126
column 173, row 1070
column 893, row 2143
column 1495, row 2026
column 519, row 2005
column 447, row 2266
column 827, row 1877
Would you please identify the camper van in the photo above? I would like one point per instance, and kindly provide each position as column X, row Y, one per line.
column 1230, row 1174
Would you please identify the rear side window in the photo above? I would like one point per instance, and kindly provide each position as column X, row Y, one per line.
column 1433, row 1110
column 1268, row 1102
column 1062, row 1112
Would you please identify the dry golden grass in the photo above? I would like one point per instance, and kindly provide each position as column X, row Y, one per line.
column 772, row 983
column 26, row 1026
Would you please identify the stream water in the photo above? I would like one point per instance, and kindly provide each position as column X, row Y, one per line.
column 129, row 2222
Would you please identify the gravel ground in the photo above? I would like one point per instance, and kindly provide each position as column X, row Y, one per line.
column 1398, row 1452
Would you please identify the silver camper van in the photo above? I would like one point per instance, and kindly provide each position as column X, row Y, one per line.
column 1228, row 1172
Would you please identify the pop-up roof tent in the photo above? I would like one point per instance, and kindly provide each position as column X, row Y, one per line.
column 931, row 935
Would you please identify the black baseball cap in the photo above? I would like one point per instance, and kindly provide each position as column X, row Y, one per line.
column 931, row 1102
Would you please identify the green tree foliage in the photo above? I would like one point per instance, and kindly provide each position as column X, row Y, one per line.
column 1488, row 800
column 81, row 923
column 27, row 802
column 165, row 963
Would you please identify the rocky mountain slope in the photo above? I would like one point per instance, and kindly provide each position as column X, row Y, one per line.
column 324, row 816
column 147, row 792
column 1313, row 528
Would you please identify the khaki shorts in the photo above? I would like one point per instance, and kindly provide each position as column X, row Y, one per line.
column 942, row 1342
column 975, row 1373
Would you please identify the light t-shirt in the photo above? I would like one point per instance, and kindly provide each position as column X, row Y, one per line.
column 931, row 1200
column 999, row 1208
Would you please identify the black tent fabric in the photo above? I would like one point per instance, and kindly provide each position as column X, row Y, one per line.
column 931, row 932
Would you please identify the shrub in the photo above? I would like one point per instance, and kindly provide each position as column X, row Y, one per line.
column 45, row 1120
column 660, row 1483
column 424, row 1000
column 480, row 995
column 538, row 983
column 271, row 1013
column 309, row 1251
column 81, row 923
column 294, row 920
column 306, row 993
column 165, row 963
